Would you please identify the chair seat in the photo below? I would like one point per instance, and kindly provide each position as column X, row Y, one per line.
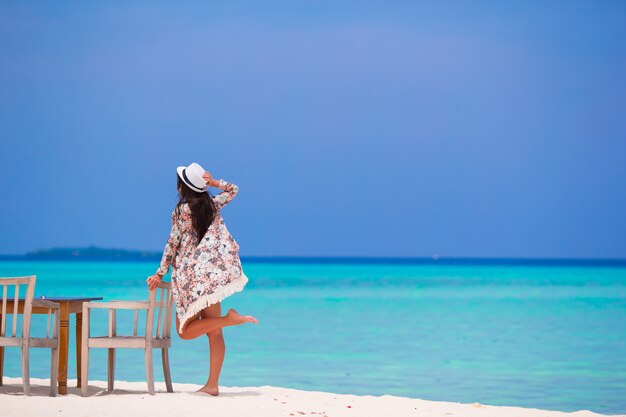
column 44, row 342
column 138, row 342
column 35, row 342
column 10, row 341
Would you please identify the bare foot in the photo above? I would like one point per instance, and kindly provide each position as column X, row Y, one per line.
column 212, row 390
column 237, row 318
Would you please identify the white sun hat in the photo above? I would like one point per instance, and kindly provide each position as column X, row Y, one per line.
column 192, row 177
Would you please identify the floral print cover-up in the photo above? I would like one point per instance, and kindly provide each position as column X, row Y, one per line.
column 206, row 273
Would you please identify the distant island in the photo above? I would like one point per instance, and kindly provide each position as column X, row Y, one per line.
column 90, row 253
column 94, row 253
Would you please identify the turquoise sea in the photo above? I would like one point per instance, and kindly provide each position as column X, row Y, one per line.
column 550, row 337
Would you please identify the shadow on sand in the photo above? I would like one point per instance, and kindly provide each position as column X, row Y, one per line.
column 96, row 391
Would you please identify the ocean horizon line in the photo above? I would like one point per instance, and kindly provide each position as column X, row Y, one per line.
column 92, row 254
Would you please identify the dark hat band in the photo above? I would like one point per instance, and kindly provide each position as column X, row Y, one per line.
column 189, row 184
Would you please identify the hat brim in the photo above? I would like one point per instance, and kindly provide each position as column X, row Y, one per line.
column 179, row 171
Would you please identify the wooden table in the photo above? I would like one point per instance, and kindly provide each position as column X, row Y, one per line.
column 69, row 305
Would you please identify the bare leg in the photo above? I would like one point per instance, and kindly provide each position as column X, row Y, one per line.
column 196, row 327
column 217, row 348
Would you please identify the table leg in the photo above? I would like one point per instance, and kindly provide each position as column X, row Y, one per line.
column 64, row 335
column 79, row 341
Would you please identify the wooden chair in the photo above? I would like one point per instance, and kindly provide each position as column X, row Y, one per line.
column 161, row 340
column 25, row 342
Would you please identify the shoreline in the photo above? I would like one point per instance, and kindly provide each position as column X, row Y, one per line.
column 132, row 399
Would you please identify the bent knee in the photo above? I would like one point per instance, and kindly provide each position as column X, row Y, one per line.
column 184, row 335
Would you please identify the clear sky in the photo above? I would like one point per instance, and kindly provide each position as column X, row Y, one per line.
column 491, row 129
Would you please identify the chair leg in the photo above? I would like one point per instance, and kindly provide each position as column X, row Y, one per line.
column 111, row 369
column 25, row 370
column 1, row 362
column 166, row 369
column 84, row 355
column 149, row 370
column 84, row 378
column 54, row 371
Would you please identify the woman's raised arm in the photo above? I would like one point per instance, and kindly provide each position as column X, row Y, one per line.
column 229, row 192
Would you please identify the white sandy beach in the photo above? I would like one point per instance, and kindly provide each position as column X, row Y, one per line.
column 131, row 399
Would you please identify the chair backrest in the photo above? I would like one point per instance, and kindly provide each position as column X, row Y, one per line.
column 6, row 283
column 165, row 304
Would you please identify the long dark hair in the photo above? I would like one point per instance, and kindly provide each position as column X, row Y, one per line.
column 201, row 205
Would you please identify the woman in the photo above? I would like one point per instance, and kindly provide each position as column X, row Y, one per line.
column 205, row 264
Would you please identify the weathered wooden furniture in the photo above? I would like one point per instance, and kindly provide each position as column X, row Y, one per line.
column 25, row 341
column 69, row 305
column 147, row 342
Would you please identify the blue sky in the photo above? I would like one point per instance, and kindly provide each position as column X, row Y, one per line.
column 486, row 129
